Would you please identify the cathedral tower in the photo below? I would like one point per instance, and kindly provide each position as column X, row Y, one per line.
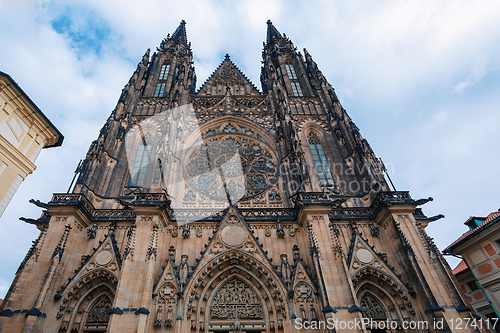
column 230, row 209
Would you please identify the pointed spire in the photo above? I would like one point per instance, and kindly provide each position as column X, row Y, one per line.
column 272, row 32
column 180, row 33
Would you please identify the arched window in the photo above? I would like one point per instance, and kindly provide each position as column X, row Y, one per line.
column 162, row 78
column 164, row 72
column 294, row 81
column 141, row 161
column 325, row 176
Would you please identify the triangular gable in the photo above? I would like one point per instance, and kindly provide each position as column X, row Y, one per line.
column 232, row 234
column 105, row 259
column 362, row 255
column 168, row 284
column 227, row 75
column 105, row 256
column 302, row 286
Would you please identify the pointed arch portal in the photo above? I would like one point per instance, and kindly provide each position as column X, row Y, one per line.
column 236, row 291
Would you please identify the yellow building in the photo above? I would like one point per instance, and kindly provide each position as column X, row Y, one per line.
column 24, row 131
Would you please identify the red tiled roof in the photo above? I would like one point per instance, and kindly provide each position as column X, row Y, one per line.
column 490, row 218
column 462, row 266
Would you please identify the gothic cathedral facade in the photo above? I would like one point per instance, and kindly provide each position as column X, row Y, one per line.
column 229, row 209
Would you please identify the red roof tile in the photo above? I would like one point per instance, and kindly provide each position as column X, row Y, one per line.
column 462, row 266
column 490, row 218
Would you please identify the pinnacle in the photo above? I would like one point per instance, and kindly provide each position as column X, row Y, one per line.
column 272, row 32
column 180, row 33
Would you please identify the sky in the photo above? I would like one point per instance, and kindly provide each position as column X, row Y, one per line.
column 420, row 78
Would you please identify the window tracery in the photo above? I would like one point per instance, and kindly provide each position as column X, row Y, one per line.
column 231, row 160
column 294, row 81
column 141, row 161
column 372, row 308
column 99, row 313
column 160, row 86
column 320, row 161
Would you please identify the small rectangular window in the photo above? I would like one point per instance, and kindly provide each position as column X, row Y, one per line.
column 473, row 285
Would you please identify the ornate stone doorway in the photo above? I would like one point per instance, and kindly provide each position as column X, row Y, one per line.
column 236, row 308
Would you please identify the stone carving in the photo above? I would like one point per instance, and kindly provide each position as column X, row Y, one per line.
column 233, row 235
column 303, row 292
column 130, row 245
column 248, row 165
column 372, row 308
column 183, row 270
column 374, row 231
column 217, row 247
column 186, row 231
column 99, row 313
column 168, row 292
column 286, row 271
column 296, row 252
column 250, row 247
column 236, row 300
column 171, row 253
column 280, row 233
column 91, row 233
column 267, row 232
column 104, row 258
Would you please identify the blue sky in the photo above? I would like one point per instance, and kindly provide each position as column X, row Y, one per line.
column 421, row 80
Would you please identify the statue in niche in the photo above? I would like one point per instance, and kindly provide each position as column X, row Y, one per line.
column 183, row 270
column 186, row 231
column 286, row 270
column 296, row 252
column 91, row 233
column 280, row 233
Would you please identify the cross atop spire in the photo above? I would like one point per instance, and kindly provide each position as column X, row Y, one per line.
column 272, row 32
column 180, row 33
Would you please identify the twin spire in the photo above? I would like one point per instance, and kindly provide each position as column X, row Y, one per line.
column 181, row 35
column 272, row 32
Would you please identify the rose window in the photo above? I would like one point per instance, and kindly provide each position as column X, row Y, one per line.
column 231, row 163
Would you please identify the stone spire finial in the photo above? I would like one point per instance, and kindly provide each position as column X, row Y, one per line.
column 180, row 33
column 272, row 32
